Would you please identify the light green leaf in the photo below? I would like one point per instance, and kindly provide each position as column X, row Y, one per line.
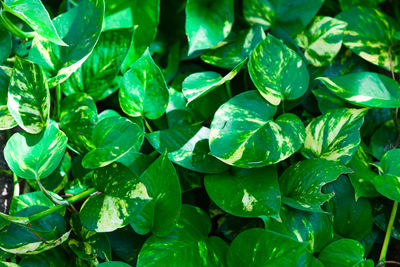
column 36, row 156
column 95, row 76
column 200, row 83
column 366, row 89
column 80, row 29
column 208, row 22
column 29, row 96
column 7, row 121
column 187, row 243
column 243, row 133
column 369, row 34
column 312, row 227
column 187, row 146
column 258, row 247
column 301, row 183
column 246, row 193
column 78, row 119
column 259, row 12
column 388, row 184
column 277, row 71
column 335, row 135
column 322, row 40
column 33, row 13
column 144, row 91
column 160, row 215
column 342, row 253
column 235, row 49
column 112, row 138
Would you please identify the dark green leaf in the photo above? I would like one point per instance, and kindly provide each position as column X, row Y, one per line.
column 342, row 253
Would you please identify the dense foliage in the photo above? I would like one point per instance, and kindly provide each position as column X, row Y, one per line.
column 200, row 133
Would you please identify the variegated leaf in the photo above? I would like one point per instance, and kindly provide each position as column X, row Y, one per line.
column 246, row 193
column 369, row 34
column 33, row 13
column 7, row 121
column 259, row 12
column 208, row 22
column 198, row 84
column 322, row 40
column 236, row 48
column 301, row 183
column 29, row 96
column 244, row 134
column 366, row 89
column 277, row 71
column 80, row 29
column 334, row 135
column 36, row 156
column 144, row 91
column 95, row 76
column 112, row 138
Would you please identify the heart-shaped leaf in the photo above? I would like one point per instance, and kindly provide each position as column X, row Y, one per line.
column 36, row 156
column 277, row 71
column 29, row 96
column 246, row 193
column 366, row 89
column 335, row 135
column 301, row 183
column 144, row 91
column 343, row 252
column 243, row 133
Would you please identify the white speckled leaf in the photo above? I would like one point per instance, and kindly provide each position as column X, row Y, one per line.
column 36, row 156
column 301, row 183
column 29, row 96
column 322, row 40
column 277, row 71
column 244, row 134
column 259, row 12
column 334, row 135
column 7, row 121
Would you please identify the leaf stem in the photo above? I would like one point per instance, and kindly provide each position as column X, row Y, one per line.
column 228, row 89
column 58, row 102
column 147, row 125
column 12, row 28
column 388, row 234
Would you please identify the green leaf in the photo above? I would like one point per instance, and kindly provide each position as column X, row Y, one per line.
column 351, row 218
column 312, row 227
column 236, row 49
column 112, row 138
column 246, row 193
column 301, row 183
column 369, row 34
column 27, row 200
column 384, row 139
column 322, row 40
column 7, row 121
column 33, row 13
column 95, row 76
column 327, row 100
column 335, row 135
column 243, row 133
column 259, row 12
column 78, row 119
column 80, row 29
column 342, row 253
column 200, row 83
column 258, row 247
column 29, row 96
column 122, row 197
column 160, row 215
column 144, row 91
column 113, row 264
column 19, row 239
column 187, row 243
column 5, row 43
column 277, row 71
column 187, row 146
column 36, row 156
column 366, row 89
column 208, row 22
column 362, row 175
column 388, row 184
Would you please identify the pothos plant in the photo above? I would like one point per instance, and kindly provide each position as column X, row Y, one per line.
column 200, row 132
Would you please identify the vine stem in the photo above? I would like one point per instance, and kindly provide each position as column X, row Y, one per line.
column 147, row 125
column 228, row 89
column 58, row 102
column 388, row 234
